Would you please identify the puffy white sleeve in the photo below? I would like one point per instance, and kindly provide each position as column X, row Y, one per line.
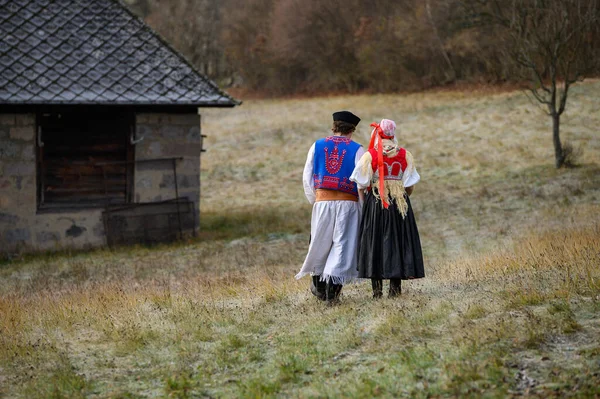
column 411, row 176
column 307, row 176
column 359, row 154
column 363, row 171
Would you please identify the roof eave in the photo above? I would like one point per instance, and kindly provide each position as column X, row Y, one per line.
column 6, row 108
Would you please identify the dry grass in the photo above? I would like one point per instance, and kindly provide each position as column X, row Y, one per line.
column 521, row 320
column 509, row 308
column 485, row 160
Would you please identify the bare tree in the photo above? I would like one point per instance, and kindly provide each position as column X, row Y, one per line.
column 245, row 38
column 451, row 76
column 283, row 47
column 193, row 27
column 552, row 41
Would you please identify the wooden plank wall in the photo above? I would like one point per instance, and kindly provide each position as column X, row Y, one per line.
column 85, row 158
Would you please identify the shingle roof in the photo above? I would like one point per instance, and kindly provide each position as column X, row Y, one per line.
column 92, row 52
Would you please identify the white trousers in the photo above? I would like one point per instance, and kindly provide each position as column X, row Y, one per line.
column 334, row 239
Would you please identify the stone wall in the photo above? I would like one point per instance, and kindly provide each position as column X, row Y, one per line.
column 17, row 178
column 22, row 228
column 167, row 136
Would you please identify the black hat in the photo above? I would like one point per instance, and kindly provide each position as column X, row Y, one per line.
column 346, row 116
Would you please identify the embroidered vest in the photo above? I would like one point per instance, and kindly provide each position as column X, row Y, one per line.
column 393, row 168
column 334, row 163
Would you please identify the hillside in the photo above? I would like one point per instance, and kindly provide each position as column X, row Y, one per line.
column 485, row 159
column 509, row 307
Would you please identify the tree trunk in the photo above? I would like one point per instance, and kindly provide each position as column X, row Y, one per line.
column 452, row 76
column 558, row 151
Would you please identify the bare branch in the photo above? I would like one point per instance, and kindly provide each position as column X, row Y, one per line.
column 536, row 102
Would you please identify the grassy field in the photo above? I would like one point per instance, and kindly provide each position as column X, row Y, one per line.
column 510, row 306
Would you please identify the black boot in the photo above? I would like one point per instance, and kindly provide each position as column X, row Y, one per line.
column 318, row 288
column 333, row 291
column 395, row 287
column 377, row 288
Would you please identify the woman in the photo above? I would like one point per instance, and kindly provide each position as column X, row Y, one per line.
column 389, row 246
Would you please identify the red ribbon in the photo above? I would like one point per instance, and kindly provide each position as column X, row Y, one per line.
column 378, row 132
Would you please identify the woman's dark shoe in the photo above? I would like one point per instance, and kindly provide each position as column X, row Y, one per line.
column 377, row 288
column 395, row 287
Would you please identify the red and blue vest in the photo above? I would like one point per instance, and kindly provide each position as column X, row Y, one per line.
column 334, row 163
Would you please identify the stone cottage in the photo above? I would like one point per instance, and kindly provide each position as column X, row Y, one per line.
column 100, row 136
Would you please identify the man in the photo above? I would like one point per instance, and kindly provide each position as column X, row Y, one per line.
column 331, row 258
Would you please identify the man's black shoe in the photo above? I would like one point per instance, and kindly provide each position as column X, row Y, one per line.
column 318, row 288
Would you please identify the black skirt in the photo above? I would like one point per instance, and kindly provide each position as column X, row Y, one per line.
column 388, row 245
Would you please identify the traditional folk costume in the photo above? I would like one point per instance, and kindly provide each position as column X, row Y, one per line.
column 389, row 245
column 331, row 258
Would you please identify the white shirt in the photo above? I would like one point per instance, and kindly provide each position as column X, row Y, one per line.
column 362, row 175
